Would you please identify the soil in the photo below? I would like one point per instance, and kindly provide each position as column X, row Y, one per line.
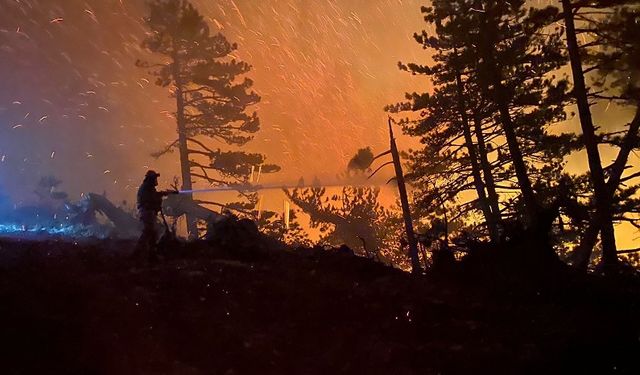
column 88, row 308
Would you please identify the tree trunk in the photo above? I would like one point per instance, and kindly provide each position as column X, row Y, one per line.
column 475, row 167
column 185, row 163
column 581, row 256
column 582, row 253
column 629, row 142
column 604, row 215
column 501, row 99
column 494, row 199
column 404, row 201
column 528, row 197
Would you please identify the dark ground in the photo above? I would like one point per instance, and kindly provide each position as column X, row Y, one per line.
column 86, row 309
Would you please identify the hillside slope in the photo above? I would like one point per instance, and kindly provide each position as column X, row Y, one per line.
column 85, row 308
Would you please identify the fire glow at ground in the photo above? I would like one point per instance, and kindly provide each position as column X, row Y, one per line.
column 74, row 105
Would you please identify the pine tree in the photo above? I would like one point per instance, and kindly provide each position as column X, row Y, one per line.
column 211, row 98
column 353, row 217
column 612, row 56
column 514, row 58
column 272, row 224
column 495, row 97
column 449, row 154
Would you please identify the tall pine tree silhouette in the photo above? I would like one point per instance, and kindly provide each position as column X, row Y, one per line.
column 212, row 100
column 495, row 93
column 611, row 58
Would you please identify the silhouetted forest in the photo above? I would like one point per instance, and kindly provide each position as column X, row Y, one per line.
column 507, row 78
column 482, row 237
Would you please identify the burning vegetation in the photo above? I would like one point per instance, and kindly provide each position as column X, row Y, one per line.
column 511, row 254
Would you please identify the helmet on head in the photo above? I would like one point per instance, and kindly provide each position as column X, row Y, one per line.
column 151, row 174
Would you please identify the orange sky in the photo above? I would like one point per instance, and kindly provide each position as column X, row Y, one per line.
column 74, row 104
column 325, row 69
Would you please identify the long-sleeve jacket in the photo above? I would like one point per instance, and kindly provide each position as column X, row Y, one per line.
column 149, row 199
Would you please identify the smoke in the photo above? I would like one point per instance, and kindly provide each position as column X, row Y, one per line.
column 71, row 99
column 5, row 203
column 74, row 105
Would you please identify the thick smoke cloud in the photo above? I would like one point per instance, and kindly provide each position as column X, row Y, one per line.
column 73, row 105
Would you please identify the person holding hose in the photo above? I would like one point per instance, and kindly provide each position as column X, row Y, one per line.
column 149, row 204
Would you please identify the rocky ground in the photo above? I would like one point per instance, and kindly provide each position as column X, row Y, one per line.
column 86, row 308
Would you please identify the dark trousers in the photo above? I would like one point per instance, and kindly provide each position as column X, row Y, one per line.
column 147, row 243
